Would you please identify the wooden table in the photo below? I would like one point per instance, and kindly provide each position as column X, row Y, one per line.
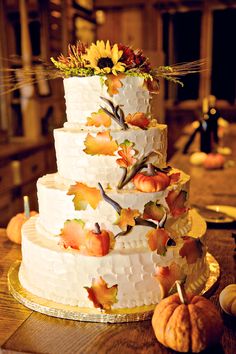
column 22, row 330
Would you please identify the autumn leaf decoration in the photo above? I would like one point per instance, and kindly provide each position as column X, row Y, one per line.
column 166, row 276
column 127, row 218
column 113, row 83
column 102, row 296
column 98, row 119
column 157, row 240
column 84, row 196
column 73, row 234
column 152, row 85
column 153, row 211
column 138, row 119
column 101, row 144
column 126, row 154
column 191, row 249
column 176, row 201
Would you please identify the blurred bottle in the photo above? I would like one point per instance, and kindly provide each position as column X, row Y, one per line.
column 205, row 129
column 214, row 115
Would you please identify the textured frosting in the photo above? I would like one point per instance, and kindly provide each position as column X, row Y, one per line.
column 83, row 97
column 73, row 163
column 55, row 207
column 60, row 275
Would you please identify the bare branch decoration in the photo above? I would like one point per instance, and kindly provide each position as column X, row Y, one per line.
column 116, row 113
column 118, row 208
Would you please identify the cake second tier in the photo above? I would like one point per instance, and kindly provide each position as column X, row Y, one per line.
column 93, row 157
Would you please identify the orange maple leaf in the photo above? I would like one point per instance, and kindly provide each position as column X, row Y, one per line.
column 191, row 249
column 113, row 83
column 127, row 154
column 167, row 277
column 157, row 240
column 101, row 144
column 73, row 234
column 153, row 211
column 84, row 195
column 138, row 119
column 176, row 201
column 127, row 217
column 98, row 119
column 102, row 296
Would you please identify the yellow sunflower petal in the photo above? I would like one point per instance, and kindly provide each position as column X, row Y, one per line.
column 108, row 49
column 115, row 54
column 101, row 48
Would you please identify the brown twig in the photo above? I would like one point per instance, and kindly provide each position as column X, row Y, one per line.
column 117, row 113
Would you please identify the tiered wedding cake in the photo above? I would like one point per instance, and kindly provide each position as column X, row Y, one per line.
column 113, row 224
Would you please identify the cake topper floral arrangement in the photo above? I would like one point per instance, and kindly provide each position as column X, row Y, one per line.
column 100, row 58
column 103, row 58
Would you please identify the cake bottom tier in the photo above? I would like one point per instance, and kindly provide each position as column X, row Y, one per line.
column 63, row 276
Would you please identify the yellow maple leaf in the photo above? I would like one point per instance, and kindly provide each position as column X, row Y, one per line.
column 113, row 83
column 84, row 195
column 98, row 119
column 101, row 144
column 127, row 217
column 102, row 296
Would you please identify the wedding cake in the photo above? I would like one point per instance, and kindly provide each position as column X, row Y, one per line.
column 114, row 229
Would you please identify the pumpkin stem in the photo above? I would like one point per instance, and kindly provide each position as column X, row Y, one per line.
column 97, row 228
column 181, row 292
column 150, row 170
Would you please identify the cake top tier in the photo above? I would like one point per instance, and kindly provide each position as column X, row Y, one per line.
column 104, row 81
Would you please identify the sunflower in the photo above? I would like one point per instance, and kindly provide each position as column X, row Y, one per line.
column 104, row 59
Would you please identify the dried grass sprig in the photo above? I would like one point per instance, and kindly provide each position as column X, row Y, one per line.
column 16, row 78
column 176, row 71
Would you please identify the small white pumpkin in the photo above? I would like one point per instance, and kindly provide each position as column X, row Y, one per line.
column 227, row 299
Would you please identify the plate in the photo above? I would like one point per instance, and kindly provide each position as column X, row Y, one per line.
column 76, row 313
column 228, row 210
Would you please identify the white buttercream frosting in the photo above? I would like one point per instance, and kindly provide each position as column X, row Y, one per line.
column 56, row 206
column 83, row 97
column 75, row 164
column 61, row 275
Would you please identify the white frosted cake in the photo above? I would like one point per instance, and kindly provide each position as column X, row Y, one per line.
column 114, row 224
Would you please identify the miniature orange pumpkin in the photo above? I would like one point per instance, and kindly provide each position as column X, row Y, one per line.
column 151, row 181
column 97, row 242
column 14, row 226
column 214, row 161
column 187, row 323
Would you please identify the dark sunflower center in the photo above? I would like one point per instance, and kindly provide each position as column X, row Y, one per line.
column 105, row 63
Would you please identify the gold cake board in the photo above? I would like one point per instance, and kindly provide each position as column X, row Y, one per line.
column 76, row 313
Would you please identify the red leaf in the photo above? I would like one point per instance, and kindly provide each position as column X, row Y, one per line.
column 157, row 240
column 176, row 201
column 192, row 249
column 174, row 177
